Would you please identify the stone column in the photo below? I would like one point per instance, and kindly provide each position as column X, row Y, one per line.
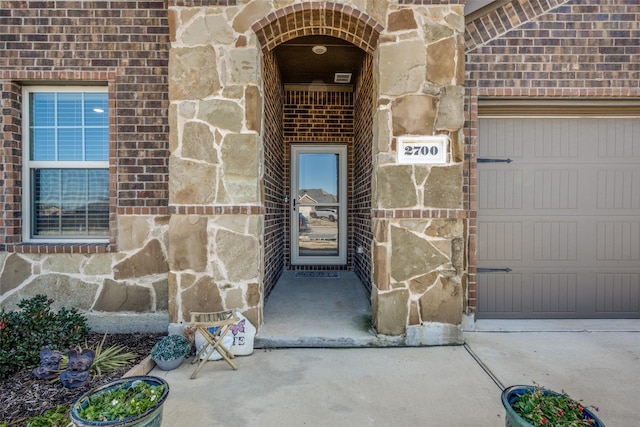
column 419, row 217
column 215, row 232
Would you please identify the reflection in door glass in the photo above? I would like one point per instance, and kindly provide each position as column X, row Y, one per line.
column 317, row 198
column 319, row 172
column 318, row 231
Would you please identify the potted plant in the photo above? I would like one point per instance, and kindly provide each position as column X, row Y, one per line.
column 536, row 406
column 127, row 402
column 169, row 352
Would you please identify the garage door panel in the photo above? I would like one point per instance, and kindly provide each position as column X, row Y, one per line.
column 617, row 138
column 500, row 293
column 543, row 135
column 618, row 188
column 556, row 189
column 502, row 241
column 555, row 293
column 617, row 293
column 503, row 189
column 555, row 241
column 563, row 216
column 618, row 241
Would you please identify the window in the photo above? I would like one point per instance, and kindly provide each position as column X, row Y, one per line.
column 66, row 167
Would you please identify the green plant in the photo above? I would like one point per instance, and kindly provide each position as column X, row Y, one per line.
column 171, row 347
column 25, row 331
column 545, row 408
column 123, row 401
column 110, row 359
column 57, row 417
column 105, row 360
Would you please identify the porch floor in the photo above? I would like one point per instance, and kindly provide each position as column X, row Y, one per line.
column 317, row 312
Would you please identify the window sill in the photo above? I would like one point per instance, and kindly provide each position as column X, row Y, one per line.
column 60, row 248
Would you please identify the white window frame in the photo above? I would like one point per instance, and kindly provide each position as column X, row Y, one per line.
column 28, row 165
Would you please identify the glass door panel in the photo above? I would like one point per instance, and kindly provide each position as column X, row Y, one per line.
column 318, row 201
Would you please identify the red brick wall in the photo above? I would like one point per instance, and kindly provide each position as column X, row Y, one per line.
column 549, row 49
column 274, row 175
column 319, row 117
column 585, row 44
column 362, row 170
column 120, row 44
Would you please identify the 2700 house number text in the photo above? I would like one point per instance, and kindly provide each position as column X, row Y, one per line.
column 420, row 150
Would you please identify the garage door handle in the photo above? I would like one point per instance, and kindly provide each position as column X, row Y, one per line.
column 494, row 270
column 486, row 160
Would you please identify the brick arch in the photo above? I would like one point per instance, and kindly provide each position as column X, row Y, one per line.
column 318, row 18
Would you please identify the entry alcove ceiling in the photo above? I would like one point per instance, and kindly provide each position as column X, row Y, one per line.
column 298, row 63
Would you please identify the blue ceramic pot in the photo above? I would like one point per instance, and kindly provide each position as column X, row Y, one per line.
column 152, row 417
column 511, row 394
column 169, row 365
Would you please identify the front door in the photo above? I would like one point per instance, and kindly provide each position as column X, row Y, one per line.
column 318, row 204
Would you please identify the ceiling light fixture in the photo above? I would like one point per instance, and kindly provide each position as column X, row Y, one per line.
column 319, row 50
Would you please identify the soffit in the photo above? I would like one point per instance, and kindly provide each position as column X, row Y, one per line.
column 299, row 65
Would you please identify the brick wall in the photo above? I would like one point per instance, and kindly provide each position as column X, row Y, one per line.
column 10, row 164
column 121, row 44
column 581, row 44
column 274, row 175
column 550, row 49
column 363, row 167
column 318, row 116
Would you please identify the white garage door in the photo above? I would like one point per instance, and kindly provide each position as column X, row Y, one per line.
column 559, row 225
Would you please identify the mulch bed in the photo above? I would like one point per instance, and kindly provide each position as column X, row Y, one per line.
column 23, row 397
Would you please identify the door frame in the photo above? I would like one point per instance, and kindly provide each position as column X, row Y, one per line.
column 341, row 151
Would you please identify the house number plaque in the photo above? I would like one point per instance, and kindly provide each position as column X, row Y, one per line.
column 423, row 149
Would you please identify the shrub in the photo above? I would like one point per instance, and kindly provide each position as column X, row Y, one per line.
column 24, row 332
column 58, row 417
column 171, row 347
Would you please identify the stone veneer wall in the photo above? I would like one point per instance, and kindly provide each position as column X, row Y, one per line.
column 319, row 116
column 419, row 216
column 123, row 46
column 553, row 50
column 216, row 167
column 418, row 212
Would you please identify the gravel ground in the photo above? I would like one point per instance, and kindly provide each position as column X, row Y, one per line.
column 23, row 397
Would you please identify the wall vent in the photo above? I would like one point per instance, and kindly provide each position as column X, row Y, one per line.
column 342, row 78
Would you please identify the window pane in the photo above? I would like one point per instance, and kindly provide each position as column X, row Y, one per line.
column 96, row 109
column 43, row 144
column 69, row 109
column 69, row 144
column 42, row 107
column 70, row 202
column 96, row 144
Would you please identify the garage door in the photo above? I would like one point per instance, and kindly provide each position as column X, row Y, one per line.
column 558, row 217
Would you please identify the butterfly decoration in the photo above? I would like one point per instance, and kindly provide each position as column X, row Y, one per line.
column 237, row 327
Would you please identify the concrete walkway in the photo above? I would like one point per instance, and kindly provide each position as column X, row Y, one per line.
column 428, row 386
column 343, row 380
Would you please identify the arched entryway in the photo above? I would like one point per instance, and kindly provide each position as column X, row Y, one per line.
column 318, row 89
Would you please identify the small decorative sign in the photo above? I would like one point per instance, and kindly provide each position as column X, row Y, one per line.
column 423, row 149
